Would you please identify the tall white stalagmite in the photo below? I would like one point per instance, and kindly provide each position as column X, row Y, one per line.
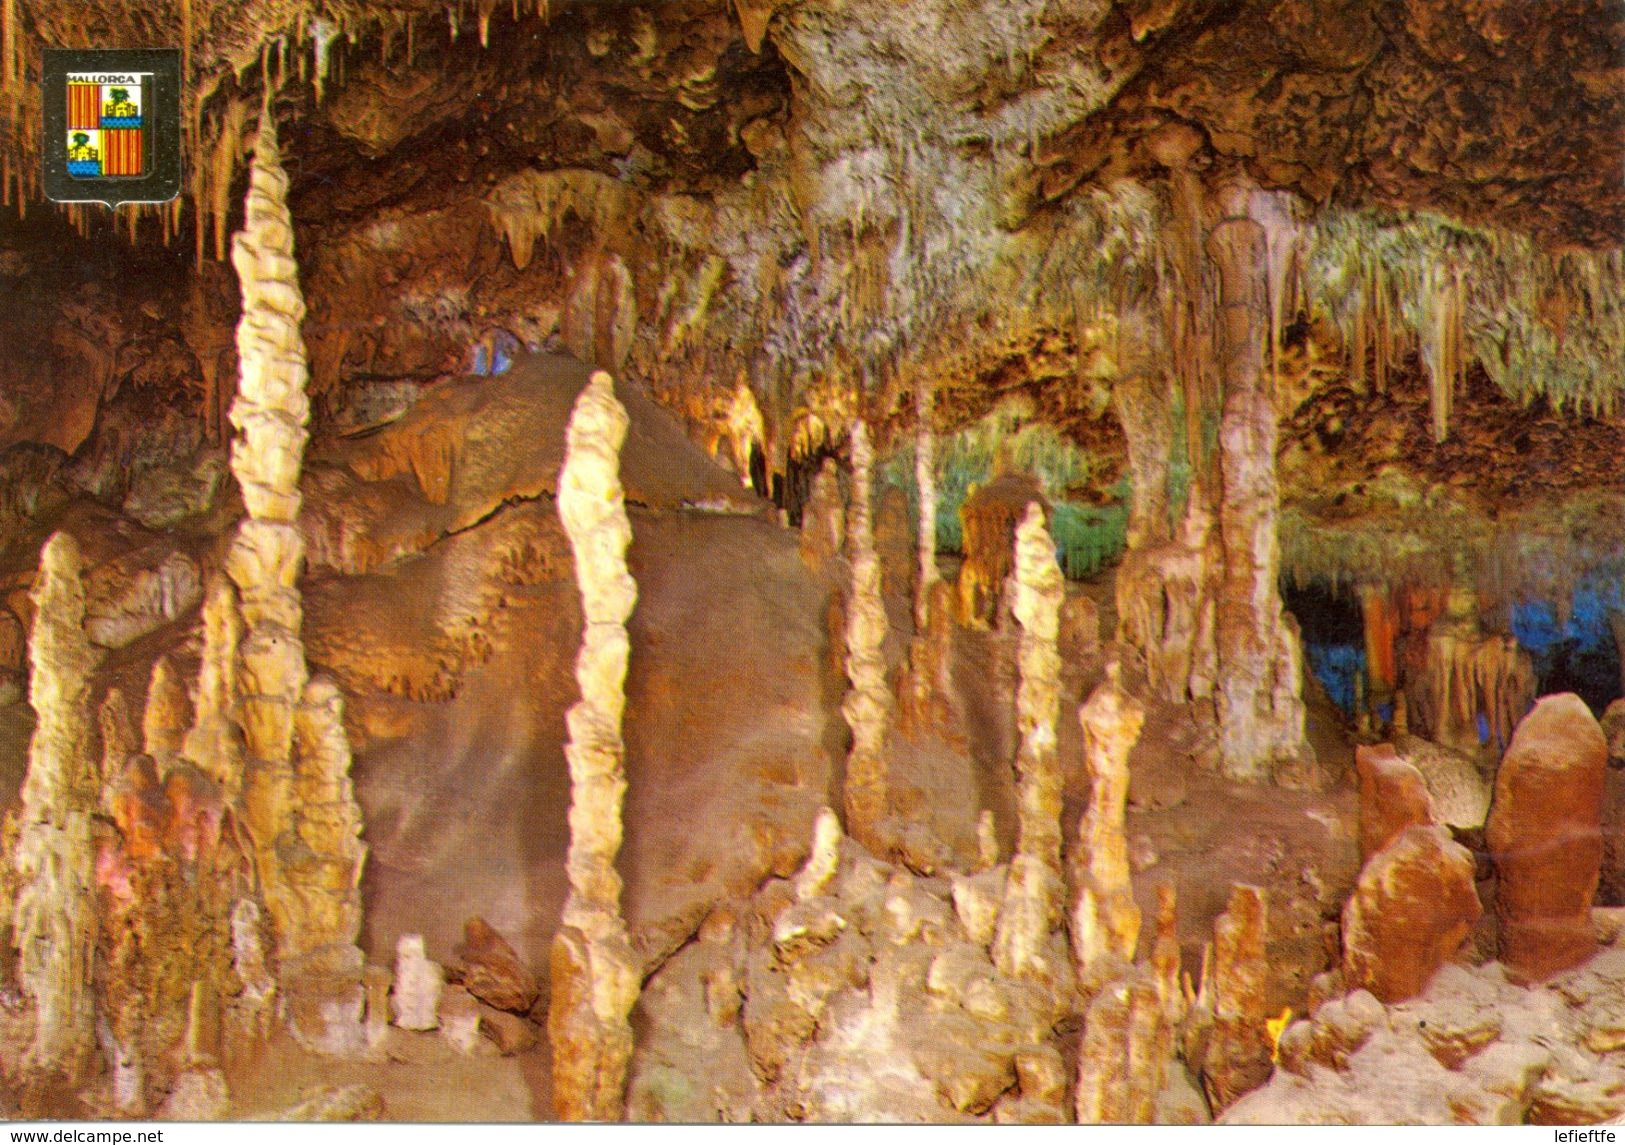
column 869, row 705
column 1032, row 894
column 297, row 803
column 1106, row 920
column 54, row 925
column 595, row 978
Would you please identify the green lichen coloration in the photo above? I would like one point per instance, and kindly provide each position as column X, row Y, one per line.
column 1086, row 537
column 1539, row 322
column 1397, row 531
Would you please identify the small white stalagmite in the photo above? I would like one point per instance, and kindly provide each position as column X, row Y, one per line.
column 1033, row 892
column 594, row 976
column 54, row 925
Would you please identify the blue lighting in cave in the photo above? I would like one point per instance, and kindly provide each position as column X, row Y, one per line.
column 494, row 355
column 1338, row 667
column 1576, row 654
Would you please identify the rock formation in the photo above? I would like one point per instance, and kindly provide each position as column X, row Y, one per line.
column 925, row 480
column 214, row 741
column 823, row 518
column 1261, row 713
column 1393, row 796
column 1230, row 1030
column 1412, row 908
column 1032, row 895
column 1473, row 1049
column 988, row 520
column 418, row 985
column 594, row 975
column 1106, row 920
column 54, row 925
column 1544, row 834
column 869, row 706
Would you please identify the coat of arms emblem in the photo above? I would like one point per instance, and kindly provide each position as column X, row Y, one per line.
column 112, row 126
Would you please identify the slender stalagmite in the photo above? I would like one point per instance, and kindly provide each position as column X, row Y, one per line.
column 1106, row 920
column 594, row 976
column 1261, row 713
column 869, row 703
column 1032, row 893
column 54, row 925
column 298, row 807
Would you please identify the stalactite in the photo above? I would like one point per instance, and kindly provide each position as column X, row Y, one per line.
column 594, row 975
column 54, row 925
column 8, row 52
column 869, row 704
column 1032, row 892
column 1106, row 919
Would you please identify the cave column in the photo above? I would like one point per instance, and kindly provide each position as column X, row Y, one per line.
column 594, row 978
column 869, row 706
column 1260, row 709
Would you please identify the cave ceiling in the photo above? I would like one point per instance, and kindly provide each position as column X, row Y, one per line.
column 788, row 196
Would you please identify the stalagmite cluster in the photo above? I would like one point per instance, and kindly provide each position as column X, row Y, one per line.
column 869, row 706
column 595, row 978
column 1032, row 895
column 54, row 925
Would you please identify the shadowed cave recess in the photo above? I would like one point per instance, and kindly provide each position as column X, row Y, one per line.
column 939, row 561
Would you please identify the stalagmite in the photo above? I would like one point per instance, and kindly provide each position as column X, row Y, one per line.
column 1261, row 713
column 54, row 925
column 1545, row 835
column 297, row 802
column 1106, row 920
column 823, row 518
column 324, row 872
column 270, row 415
column 168, row 712
column 1414, row 905
column 1237, row 1055
column 418, row 986
column 825, row 857
column 214, row 742
column 119, row 740
column 869, row 704
column 1033, row 890
column 925, row 477
column 594, row 975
